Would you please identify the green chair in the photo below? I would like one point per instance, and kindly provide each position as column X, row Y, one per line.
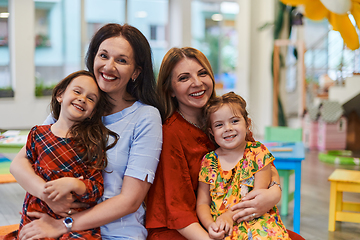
column 284, row 134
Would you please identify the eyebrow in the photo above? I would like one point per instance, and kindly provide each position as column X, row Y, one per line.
column 104, row 50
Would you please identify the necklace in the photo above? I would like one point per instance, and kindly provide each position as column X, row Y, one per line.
column 189, row 120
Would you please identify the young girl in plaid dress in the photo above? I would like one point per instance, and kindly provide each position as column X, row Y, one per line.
column 70, row 154
column 239, row 165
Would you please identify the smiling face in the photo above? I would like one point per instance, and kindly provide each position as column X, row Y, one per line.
column 229, row 129
column 79, row 99
column 191, row 85
column 114, row 66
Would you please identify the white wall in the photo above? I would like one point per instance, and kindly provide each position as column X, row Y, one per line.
column 254, row 60
column 253, row 70
column 24, row 110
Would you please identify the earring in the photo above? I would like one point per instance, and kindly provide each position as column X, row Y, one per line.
column 134, row 80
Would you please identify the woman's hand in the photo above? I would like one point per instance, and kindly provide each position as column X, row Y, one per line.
column 256, row 203
column 44, row 226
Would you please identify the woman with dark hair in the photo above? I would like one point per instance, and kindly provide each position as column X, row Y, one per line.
column 120, row 58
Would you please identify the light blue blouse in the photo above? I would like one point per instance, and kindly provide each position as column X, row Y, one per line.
column 135, row 155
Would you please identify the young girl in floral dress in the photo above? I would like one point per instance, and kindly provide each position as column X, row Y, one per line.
column 239, row 165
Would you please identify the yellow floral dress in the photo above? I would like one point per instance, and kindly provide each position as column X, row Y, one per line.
column 228, row 187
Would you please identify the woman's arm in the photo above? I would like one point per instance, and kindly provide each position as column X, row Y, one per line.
column 258, row 201
column 128, row 201
column 194, row 231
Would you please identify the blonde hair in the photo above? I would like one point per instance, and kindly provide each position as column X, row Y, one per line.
column 238, row 106
column 164, row 89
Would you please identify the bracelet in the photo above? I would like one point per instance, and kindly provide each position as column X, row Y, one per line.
column 275, row 183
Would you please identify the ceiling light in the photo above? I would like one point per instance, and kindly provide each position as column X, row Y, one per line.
column 217, row 17
column 4, row 15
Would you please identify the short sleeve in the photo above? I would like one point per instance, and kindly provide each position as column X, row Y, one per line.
column 208, row 169
column 31, row 153
column 146, row 145
column 257, row 156
column 179, row 202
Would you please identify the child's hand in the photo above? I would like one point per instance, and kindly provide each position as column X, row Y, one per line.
column 225, row 222
column 63, row 186
column 215, row 232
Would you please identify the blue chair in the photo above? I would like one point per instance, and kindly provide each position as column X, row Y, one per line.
column 284, row 134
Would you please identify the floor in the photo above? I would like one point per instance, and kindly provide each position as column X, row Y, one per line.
column 314, row 203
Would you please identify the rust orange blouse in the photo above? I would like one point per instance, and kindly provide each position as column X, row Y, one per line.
column 171, row 201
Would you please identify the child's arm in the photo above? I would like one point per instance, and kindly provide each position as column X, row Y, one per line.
column 89, row 188
column 25, row 175
column 203, row 202
column 263, row 178
column 59, row 188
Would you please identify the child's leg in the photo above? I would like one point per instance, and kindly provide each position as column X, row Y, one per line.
column 87, row 234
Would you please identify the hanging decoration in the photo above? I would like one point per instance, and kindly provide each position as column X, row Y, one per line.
column 337, row 12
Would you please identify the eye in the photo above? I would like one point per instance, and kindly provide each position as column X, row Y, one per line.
column 236, row 121
column 103, row 55
column 217, row 125
column 183, row 78
column 77, row 92
column 121, row 60
column 203, row 73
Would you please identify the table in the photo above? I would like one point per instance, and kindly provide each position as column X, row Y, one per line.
column 288, row 156
column 14, row 141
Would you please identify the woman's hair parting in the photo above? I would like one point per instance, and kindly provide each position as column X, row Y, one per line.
column 144, row 86
column 238, row 106
column 170, row 60
column 90, row 134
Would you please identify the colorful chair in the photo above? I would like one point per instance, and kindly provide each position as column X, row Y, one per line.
column 284, row 134
column 342, row 180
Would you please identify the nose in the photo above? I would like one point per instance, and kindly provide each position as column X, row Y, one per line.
column 196, row 81
column 81, row 98
column 228, row 127
column 109, row 64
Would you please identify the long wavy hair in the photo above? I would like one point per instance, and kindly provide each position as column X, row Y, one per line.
column 238, row 106
column 143, row 88
column 164, row 89
column 90, row 136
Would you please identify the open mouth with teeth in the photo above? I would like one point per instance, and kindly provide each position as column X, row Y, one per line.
column 197, row 94
column 108, row 77
column 78, row 107
column 230, row 137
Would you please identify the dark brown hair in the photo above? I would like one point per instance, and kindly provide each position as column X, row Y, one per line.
column 238, row 106
column 164, row 89
column 143, row 88
column 90, row 134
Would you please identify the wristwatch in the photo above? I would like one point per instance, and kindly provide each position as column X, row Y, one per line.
column 68, row 221
column 275, row 183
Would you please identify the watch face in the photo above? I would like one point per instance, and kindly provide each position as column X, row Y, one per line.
column 68, row 220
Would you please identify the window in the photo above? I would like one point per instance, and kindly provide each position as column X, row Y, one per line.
column 57, row 42
column 215, row 35
column 151, row 18
column 6, row 89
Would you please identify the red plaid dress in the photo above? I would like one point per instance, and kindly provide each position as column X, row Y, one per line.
column 53, row 157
